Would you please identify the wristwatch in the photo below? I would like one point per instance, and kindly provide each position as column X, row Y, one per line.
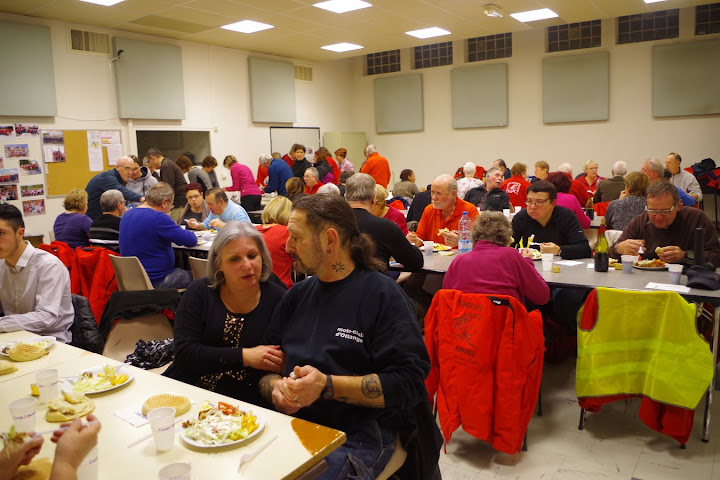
column 328, row 392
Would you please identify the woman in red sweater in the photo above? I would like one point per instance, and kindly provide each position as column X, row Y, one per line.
column 275, row 217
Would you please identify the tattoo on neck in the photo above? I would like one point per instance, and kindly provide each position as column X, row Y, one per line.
column 371, row 386
column 338, row 267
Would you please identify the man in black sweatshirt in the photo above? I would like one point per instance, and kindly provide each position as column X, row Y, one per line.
column 355, row 358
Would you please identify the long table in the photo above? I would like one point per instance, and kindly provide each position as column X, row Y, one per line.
column 299, row 445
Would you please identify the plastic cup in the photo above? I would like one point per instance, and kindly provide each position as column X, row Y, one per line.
column 547, row 262
column 627, row 263
column 675, row 271
column 23, row 414
column 162, row 423
column 176, row 471
column 47, row 383
column 517, row 209
column 506, row 212
column 89, row 469
column 428, row 248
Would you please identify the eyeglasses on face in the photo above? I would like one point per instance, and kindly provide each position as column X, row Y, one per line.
column 536, row 203
column 660, row 212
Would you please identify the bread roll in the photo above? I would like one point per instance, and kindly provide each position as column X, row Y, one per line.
column 659, row 250
column 7, row 367
column 179, row 403
column 24, row 352
column 72, row 405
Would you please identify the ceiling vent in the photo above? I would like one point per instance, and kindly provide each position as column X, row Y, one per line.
column 83, row 41
column 303, row 73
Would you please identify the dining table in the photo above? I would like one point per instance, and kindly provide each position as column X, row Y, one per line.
column 297, row 449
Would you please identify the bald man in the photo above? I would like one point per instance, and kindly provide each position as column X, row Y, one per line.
column 116, row 179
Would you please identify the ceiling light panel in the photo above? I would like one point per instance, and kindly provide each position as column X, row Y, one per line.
column 533, row 15
column 428, row 32
column 247, row 26
column 342, row 6
column 653, row 1
column 104, row 3
column 342, row 47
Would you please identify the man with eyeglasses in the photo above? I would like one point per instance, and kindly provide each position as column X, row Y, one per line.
column 116, row 179
column 666, row 229
column 555, row 228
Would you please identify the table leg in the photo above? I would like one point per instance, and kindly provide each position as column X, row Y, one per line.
column 711, row 389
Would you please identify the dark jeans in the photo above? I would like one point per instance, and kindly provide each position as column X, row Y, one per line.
column 176, row 279
column 363, row 456
column 250, row 202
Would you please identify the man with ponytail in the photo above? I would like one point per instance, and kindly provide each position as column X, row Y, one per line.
column 355, row 358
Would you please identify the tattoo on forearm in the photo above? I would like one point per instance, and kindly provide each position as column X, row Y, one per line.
column 371, row 386
column 266, row 387
column 338, row 267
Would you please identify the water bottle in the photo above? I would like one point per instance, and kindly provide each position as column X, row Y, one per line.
column 464, row 235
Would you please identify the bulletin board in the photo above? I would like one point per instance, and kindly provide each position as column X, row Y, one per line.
column 74, row 172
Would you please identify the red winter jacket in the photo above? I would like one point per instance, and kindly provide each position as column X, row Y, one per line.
column 487, row 358
column 62, row 250
column 92, row 276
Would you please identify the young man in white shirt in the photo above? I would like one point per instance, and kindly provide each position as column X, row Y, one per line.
column 34, row 284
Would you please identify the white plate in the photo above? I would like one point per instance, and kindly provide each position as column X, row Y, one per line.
column 49, row 338
column 68, row 386
column 650, row 268
column 261, row 425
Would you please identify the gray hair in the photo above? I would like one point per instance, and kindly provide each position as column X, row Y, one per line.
column 360, row 188
column 565, row 168
column 589, row 162
column 110, row 199
column 657, row 165
column 159, row 192
column 493, row 227
column 469, row 169
column 314, row 172
column 329, row 189
column 235, row 230
column 218, row 194
column 492, row 170
column 265, row 158
column 619, row 168
column 370, row 149
column 447, row 180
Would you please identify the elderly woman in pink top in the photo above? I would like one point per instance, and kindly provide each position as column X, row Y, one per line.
column 564, row 199
column 243, row 182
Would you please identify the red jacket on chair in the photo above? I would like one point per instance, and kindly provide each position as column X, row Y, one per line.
column 487, row 359
column 92, row 276
column 62, row 250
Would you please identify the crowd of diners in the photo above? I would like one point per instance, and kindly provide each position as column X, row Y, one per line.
column 342, row 347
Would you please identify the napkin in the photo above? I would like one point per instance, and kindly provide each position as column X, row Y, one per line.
column 668, row 286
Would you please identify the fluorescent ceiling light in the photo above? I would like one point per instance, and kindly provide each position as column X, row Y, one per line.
column 653, row 1
column 342, row 47
column 532, row 15
column 247, row 26
column 104, row 3
column 428, row 32
column 493, row 11
column 342, row 6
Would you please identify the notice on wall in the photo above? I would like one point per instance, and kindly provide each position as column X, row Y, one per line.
column 95, row 155
column 110, row 138
column 114, row 152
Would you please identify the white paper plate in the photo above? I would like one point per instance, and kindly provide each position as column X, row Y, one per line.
column 47, row 338
column 68, row 385
column 195, row 443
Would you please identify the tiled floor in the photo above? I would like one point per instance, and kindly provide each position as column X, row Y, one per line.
column 615, row 444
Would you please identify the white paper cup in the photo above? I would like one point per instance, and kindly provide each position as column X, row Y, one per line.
column 506, row 212
column 176, row 471
column 89, row 469
column 627, row 263
column 675, row 270
column 23, row 414
column 428, row 248
column 162, row 423
column 47, row 383
column 517, row 209
column 547, row 261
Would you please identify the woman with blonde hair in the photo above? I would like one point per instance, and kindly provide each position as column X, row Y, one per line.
column 381, row 209
column 73, row 226
column 275, row 218
column 630, row 204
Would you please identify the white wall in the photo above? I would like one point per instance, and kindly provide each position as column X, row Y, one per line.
column 631, row 134
column 216, row 96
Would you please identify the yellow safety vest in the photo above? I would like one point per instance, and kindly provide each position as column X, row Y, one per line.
column 643, row 343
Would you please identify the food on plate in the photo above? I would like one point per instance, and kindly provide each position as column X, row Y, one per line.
column 220, row 425
column 178, row 402
column 7, row 367
column 24, row 352
column 535, row 253
column 440, row 246
column 71, row 405
column 659, row 250
column 108, row 378
column 612, row 261
column 654, row 263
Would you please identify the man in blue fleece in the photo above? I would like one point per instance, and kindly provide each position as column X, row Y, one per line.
column 355, row 358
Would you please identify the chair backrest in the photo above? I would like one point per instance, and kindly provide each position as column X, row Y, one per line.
column 52, row 236
column 199, row 267
column 130, row 273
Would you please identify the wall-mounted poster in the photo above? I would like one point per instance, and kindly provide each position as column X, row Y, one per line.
column 26, row 130
column 54, row 153
column 56, row 137
column 33, row 207
column 8, row 192
column 9, row 175
column 32, row 190
column 16, row 150
column 30, row 167
column 7, row 131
